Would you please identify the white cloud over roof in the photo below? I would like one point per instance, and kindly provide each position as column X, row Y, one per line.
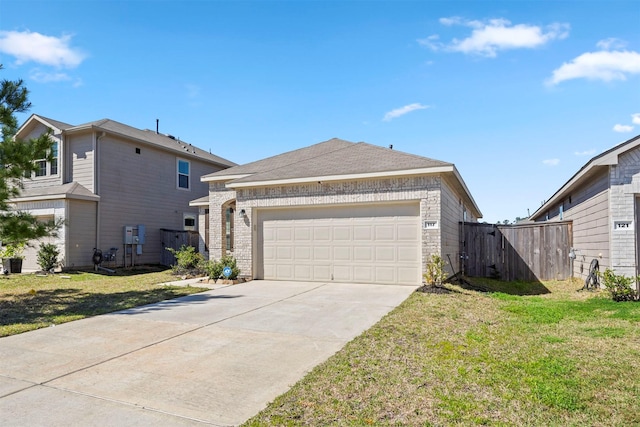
column 605, row 65
column 489, row 37
column 622, row 128
column 27, row 46
column 393, row 114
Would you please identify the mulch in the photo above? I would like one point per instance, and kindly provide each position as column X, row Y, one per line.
column 433, row 289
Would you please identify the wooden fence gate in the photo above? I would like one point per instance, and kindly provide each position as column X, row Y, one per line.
column 517, row 252
column 176, row 239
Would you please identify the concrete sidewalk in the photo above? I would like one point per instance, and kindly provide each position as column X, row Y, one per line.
column 215, row 358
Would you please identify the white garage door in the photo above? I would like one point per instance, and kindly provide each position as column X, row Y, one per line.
column 365, row 244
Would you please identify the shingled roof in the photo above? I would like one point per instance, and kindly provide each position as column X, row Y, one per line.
column 335, row 157
column 147, row 136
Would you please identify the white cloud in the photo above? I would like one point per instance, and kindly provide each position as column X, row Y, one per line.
column 635, row 118
column 585, row 153
column 393, row 114
column 551, row 162
column 35, row 47
column 487, row 38
column 611, row 43
column 622, row 128
column 603, row 65
column 43, row 77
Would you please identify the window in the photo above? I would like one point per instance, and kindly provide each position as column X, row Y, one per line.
column 46, row 167
column 183, row 174
column 54, row 159
column 189, row 222
column 228, row 229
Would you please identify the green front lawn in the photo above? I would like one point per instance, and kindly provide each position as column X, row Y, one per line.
column 30, row 301
column 532, row 354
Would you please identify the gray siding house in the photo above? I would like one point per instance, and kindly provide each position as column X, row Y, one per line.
column 107, row 175
column 603, row 201
column 338, row 211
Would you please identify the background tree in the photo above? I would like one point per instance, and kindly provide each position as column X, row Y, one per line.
column 17, row 160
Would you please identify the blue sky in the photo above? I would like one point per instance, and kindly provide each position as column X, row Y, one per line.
column 517, row 94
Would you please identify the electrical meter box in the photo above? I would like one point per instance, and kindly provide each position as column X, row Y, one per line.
column 134, row 234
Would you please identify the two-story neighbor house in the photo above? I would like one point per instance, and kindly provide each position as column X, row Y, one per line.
column 339, row 211
column 106, row 176
column 603, row 202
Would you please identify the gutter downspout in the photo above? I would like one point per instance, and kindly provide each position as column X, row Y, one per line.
column 96, row 183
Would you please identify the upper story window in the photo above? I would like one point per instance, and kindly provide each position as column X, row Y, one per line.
column 184, row 171
column 46, row 167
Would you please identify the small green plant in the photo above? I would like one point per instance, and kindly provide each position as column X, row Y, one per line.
column 188, row 261
column 48, row 256
column 12, row 251
column 619, row 286
column 435, row 274
column 215, row 268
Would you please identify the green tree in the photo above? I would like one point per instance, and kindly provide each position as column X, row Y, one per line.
column 17, row 161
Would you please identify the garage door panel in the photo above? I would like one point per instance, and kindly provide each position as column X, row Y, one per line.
column 385, row 232
column 407, row 254
column 408, row 232
column 385, row 254
column 385, row 275
column 342, row 273
column 284, row 234
column 360, row 244
column 322, row 253
column 321, row 273
column 285, row 272
column 322, row 233
column 341, row 234
column 363, row 253
column 303, row 234
column 362, row 233
column 342, row 253
column 284, row 253
column 303, row 272
column 302, row 253
column 407, row 274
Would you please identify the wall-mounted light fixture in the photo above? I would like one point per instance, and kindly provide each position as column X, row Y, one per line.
column 242, row 212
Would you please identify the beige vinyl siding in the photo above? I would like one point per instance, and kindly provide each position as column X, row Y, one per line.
column 42, row 181
column 142, row 189
column 589, row 211
column 81, row 233
column 452, row 215
column 80, row 156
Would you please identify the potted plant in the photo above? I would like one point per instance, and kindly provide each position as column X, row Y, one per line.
column 11, row 255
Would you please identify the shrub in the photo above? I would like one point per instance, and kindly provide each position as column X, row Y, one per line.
column 12, row 250
column 619, row 286
column 214, row 268
column 188, row 261
column 48, row 256
column 435, row 274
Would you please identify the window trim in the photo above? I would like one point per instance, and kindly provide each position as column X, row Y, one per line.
column 179, row 174
column 48, row 165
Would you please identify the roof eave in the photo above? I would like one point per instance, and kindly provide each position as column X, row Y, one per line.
column 331, row 178
column 91, row 198
column 215, row 178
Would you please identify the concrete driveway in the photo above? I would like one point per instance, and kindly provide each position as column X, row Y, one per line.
column 215, row 358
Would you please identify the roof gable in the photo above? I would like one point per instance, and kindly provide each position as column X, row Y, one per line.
column 592, row 167
column 350, row 159
column 150, row 137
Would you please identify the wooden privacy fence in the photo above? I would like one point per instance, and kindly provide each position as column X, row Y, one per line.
column 517, row 252
column 176, row 239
